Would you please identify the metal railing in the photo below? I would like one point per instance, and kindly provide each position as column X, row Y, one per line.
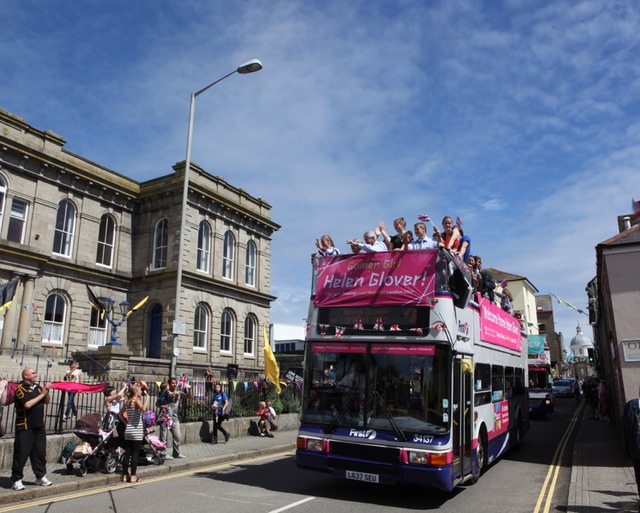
column 244, row 398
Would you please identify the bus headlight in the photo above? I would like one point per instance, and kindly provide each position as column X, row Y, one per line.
column 418, row 457
column 311, row 444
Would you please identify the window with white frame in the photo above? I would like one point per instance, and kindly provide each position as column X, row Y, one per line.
column 250, row 269
column 226, row 331
column 106, row 241
column 65, row 228
column 54, row 317
column 97, row 329
column 203, row 257
column 250, row 329
column 17, row 220
column 200, row 327
column 160, row 244
column 228, row 255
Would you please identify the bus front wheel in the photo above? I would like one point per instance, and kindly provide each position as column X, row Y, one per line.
column 482, row 453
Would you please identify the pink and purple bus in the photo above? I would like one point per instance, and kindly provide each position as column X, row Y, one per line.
column 408, row 377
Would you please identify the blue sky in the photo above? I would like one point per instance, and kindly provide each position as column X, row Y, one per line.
column 521, row 117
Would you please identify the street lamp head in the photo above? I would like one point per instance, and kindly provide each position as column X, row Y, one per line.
column 250, row 67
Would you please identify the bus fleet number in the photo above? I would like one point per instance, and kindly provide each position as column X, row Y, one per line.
column 425, row 439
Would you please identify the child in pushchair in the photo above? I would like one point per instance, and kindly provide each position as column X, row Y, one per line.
column 98, row 446
column 153, row 448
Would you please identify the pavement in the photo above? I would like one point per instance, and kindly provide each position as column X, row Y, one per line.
column 602, row 477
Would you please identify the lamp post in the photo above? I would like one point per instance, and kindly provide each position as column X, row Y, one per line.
column 109, row 312
column 178, row 326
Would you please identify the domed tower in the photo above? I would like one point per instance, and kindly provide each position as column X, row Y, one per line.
column 580, row 344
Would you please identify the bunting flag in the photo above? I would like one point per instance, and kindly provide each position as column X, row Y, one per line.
column 378, row 326
column 308, row 327
column 566, row 303
column 417, row 330
column 394, row 327
column 270, row 362
column 95, row 302
column 136, row 307
column 439, row 326
column 323, row 329
column 358, row 325
column 339, row 331
column 7, row 292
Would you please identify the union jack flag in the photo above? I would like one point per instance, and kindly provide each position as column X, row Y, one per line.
column 438, row 326
column 458, row 221
column 378, row 325
column 183, row 382
column 395, row 327
column 417, row 330
column 323, row 329
column 424, row 217
column 308, row 326
column 635, row 205
column 339, row 331
column 358, row 325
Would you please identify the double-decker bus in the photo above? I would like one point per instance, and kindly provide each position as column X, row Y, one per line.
column 407, row 378
column 540, row 376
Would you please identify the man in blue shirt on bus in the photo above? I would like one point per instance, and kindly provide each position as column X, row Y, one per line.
column 422, row 240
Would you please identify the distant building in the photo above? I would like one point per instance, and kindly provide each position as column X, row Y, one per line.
column 546, row 326
column 287, row 338
column 67, row 222
column 524, row 299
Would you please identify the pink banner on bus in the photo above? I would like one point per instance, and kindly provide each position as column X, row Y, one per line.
column 498, row 327
column 388, row 278
column 413, row 349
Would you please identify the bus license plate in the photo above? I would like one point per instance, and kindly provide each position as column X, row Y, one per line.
column 361, row 476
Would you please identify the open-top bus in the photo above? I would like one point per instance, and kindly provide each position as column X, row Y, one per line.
column 540, row 376
column 407, row 378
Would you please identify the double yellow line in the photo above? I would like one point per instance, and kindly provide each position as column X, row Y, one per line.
column 549, row 485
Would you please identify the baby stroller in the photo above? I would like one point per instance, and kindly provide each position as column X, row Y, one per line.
column 98, row 447
column 152, row 451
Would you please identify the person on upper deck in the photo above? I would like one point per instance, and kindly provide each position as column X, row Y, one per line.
column 421, row 240
column 370, row 244
column 450, row 233
column 395, row 242
column 464, row 249
column 326, row 247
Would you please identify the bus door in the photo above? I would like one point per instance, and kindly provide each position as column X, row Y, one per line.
column 462, row 410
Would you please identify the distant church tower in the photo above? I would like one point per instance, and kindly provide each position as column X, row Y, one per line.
column 580, row 344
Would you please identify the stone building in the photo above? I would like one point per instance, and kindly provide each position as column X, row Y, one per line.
column 67, row 222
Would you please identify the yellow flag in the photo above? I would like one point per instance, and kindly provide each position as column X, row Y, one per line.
column 270, row 363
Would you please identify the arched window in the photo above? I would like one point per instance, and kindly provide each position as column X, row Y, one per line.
column 204, row 247
column 54, row 317
column 106, row 241
column 250, row 329
column 228, row 255
column 65, row 228
column 226, row 331
column 250, row 269
column 97, row 329
column 200, row 327
column 160, row 242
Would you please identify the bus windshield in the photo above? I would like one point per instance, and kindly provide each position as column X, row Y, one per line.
column 398, row 387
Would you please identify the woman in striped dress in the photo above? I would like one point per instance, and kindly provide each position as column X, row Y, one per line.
column 135, row 405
